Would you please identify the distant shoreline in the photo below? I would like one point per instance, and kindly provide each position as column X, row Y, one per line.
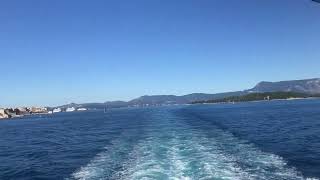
column 13, row 113
column 260, row 97
column 257, row 101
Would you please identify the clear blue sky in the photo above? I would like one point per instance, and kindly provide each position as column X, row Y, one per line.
column 57, row 51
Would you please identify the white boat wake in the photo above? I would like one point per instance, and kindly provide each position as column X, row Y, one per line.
column 173, row 150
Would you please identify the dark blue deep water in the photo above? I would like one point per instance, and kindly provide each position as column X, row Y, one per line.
column 258, row 140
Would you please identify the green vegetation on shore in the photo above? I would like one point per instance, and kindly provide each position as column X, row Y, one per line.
column 259, row 97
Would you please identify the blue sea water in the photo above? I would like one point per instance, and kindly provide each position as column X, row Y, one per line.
column 257, row 140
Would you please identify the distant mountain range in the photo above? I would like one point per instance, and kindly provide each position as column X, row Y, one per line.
column 307, row 86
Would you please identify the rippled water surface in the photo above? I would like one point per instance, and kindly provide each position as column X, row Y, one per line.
column 259, row 140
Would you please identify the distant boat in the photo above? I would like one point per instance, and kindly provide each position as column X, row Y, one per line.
column 50, row 112
column 82, row 109
column 71, row 109
column 56, row 110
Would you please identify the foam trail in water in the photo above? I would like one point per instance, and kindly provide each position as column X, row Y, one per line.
column 101, row 166
column 175, row 150
column 110, row 160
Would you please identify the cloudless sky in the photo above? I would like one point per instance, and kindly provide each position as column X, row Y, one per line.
column 56, row 52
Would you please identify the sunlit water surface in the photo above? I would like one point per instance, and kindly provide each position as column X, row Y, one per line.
column 258, row 140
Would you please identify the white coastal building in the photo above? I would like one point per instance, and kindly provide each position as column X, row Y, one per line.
column 3, row 114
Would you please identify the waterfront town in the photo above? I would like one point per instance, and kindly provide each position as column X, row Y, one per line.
column 24, row 111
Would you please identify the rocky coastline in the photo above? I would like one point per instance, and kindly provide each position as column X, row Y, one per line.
column 6, row 113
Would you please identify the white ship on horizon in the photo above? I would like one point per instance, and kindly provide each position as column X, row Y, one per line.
column 81, row 109
column 70, row 109
column 56, row 110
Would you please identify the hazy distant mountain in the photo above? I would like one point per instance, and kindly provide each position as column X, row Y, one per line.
column 158, row 99
column 201, row 96
column 108, row 104
column 309, row 86
column 172, row 99
column 84, row 105
column 115, row 104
